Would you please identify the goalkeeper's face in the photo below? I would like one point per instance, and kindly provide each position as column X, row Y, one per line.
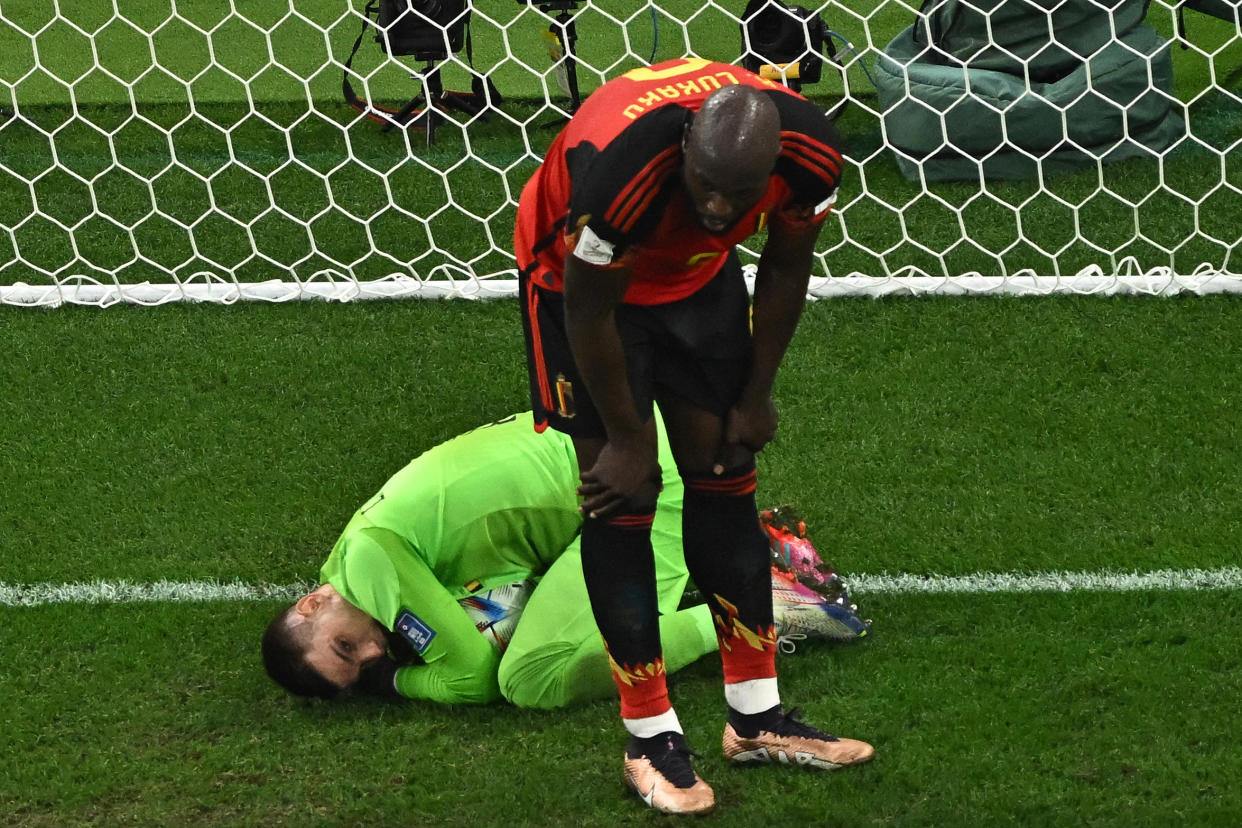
column 343, row 639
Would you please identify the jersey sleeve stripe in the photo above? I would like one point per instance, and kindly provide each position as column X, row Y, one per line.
column 649, row 195
column 815, row 161
column 626, row 208
column 641, row 191
column 799, row 138
column 815, row 164
column 816, row 153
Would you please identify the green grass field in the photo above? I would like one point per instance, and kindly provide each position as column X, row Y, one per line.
column 928, row 438
column 923, row 437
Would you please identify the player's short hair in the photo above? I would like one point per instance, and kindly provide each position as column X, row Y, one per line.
column 284, row 657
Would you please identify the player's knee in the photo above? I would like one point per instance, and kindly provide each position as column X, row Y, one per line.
column 556, row 675
column 525, row 682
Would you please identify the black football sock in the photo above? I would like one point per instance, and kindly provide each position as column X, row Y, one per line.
column 748, row 725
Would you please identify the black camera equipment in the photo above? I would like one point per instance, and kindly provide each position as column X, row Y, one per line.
column 784, row 43
column 428, row 31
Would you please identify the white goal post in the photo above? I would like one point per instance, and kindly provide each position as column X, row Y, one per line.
column 157, row 151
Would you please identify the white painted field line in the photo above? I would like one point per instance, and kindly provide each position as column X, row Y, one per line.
column 1225, row 578
column 125, row 592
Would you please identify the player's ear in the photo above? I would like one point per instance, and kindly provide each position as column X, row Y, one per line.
column 310, row 604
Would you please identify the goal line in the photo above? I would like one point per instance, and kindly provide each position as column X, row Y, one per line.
column 127, row 592
column 336, row 288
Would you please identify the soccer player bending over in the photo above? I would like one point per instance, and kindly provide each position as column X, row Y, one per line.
column 490, row 508
column 632, row 292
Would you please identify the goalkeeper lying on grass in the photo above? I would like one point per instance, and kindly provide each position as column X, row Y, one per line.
column 420, row 595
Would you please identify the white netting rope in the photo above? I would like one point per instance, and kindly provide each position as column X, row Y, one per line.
column 163, row 152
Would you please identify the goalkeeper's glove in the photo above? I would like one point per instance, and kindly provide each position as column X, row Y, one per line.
column 378, row 679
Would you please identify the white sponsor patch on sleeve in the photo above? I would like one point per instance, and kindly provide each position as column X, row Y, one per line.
column 826, row 203
column 591, row 248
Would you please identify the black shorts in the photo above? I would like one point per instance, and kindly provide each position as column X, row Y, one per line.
column 698, row 348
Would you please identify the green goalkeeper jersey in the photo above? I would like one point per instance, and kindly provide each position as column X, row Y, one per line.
column 491, row 507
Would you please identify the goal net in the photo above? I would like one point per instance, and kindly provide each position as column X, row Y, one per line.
column 169, row 150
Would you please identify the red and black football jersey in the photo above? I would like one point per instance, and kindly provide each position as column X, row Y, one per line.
column 609, row 189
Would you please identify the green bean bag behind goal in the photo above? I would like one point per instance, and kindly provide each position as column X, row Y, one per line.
column 983, row 89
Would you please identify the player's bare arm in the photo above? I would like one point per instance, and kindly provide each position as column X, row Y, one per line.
column 780, row 293
column 624, row 471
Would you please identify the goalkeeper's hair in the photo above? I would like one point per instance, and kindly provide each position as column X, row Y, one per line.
column 284, row 658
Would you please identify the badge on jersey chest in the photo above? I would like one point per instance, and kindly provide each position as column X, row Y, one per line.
column 414, row 630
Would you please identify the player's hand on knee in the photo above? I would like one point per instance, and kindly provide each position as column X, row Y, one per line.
column 749, row 427
column 626, row 476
